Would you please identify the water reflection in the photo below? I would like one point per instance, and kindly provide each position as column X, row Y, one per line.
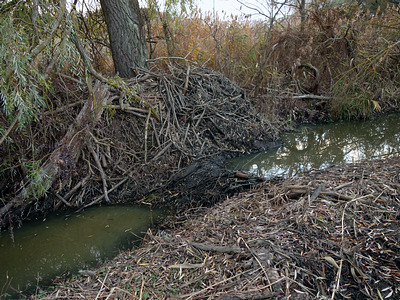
column 42, row 250
column 324, row 145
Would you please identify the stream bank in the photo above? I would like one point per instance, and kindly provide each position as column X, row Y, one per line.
column 330, row 233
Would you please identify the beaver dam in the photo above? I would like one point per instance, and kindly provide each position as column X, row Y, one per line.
column 328, row 234
column 130, row 152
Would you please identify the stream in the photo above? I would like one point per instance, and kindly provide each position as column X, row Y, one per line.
column 320, row 146
column 63, row 243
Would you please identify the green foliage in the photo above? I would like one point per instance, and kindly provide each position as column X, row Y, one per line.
column 22, row 82
column 24, row 73
column 35, row 174
column 34, row 45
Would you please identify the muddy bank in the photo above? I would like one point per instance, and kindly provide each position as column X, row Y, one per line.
column 330, row 233
column 139, row 146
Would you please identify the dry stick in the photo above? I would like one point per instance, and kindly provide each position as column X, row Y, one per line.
column 155, row 133
column 223, row 249
column 145, row 136
column 171, row 102
column 188, row 296
column 317, row 192
column 338, row 276
column 102, row 285
column 63, row 200
column 161, row 152
column 185, row 87
column 102, row 174
column 63, row 108
column 198, row 121
column 141, row 289
column 73, row 190
column 127, row 107
column 186, row 134
column 102, row 196
column 258, row 261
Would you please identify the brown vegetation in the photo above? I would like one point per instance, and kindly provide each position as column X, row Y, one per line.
column 151, row 134
column 329, row 234
column 355, row 53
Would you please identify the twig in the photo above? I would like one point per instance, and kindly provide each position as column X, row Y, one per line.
column 130, row 108
column 141, row 289
column 102, row 285
column 188, row 296
column 258, row 261
column 63, row 108
column 185, row 87
column 161, row 152
column 102, row 196
column 102, row 174
column 317, row 192
column 145, row 136
column 63, row 200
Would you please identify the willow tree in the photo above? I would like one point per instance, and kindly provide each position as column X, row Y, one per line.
column 127, row 36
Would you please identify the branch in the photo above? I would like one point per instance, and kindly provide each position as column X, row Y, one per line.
column 7, row 133
column 39, row 48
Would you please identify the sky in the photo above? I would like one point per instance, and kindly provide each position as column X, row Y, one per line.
column 241, row 8
column 226, row 6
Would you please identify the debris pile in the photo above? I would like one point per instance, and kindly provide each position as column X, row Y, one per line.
column 329, row 234
column 145, row 132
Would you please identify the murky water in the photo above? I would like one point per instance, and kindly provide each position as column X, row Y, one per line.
column 324, row 145
column 42, row 250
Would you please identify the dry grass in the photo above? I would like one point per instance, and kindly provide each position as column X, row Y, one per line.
column 355, row 52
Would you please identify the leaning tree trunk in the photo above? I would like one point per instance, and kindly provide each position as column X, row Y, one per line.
column 127, row 37
column 69, row 147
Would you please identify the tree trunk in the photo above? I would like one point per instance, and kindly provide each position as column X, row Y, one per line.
column 127, row 37
column 302, row 10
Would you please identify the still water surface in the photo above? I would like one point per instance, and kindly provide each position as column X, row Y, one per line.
column 42, row 250
column 324, row 145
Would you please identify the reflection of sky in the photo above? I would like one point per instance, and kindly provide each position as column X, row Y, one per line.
column 321, row 146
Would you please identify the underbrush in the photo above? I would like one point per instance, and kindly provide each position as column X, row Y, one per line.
column 346, row 55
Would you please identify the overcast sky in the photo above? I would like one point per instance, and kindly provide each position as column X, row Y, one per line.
column 242, row 7
column 227, row 6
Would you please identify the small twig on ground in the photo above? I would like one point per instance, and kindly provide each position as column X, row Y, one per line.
column 102, row 285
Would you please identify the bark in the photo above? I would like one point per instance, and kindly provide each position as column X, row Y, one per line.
column 127, row 37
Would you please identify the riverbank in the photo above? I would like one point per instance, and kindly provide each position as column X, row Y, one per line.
column 329, row 233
